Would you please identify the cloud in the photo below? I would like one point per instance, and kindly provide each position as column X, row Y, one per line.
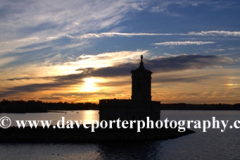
column 48, row 28
column 108, row 58
column 45, row 21
column 166, row 64
column 215, row 33
column 44, row 15
column 157, row 65
column 114, row 34
column 54, row 18
column 55, row 85
column 22, row 78
column 50, row 98
column 172, row 43
column 185, row 79
column 165, row 6
column 7, row 60
column 35, row 49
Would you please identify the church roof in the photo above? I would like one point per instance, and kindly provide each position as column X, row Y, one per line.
column 141, row 68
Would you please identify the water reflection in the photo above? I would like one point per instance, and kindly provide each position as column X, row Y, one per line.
column 131, row 150
column 90, row 115
column 210, row 145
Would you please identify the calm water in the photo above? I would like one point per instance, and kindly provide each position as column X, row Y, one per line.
column 210, row 145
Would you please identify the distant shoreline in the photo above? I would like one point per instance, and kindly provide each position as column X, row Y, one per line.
column 60, row 111
column 41, row 107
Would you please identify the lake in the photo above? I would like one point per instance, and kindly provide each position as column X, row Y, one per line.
column 210, row 145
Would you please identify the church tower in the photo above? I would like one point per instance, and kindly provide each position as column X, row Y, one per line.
column 141, row 83
column 139, row 107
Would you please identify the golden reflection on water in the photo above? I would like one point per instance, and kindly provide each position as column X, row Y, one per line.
column 90, row 115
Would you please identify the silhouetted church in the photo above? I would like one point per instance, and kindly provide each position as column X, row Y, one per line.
column 139, row 107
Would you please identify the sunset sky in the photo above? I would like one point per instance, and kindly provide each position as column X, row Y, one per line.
column 83, row 51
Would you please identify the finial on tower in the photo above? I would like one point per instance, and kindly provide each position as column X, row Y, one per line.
column 141, row 63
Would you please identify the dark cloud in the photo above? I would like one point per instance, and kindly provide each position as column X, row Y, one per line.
column 119, row 70
column 56, row 84
column 28, row 57
column 34, row 46
column 169, row 79
column 188, row 94
column 50, row 98
column 116, row 83
column 8, row 8
column 81, row 94
column 183, row 62
column 22, row 78
column 156, row 65
column 38, row 28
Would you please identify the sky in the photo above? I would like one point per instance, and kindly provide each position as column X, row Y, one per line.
column 83, row 51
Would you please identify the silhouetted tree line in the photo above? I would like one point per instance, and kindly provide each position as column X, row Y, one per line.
column 184, row 106
column 39, row 106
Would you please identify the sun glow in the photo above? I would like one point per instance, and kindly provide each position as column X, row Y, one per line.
column 232, row 85
column 90, row 84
